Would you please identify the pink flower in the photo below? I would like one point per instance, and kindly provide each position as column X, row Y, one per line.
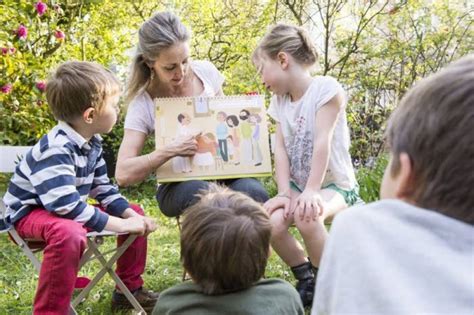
column 59, row 35
column 7, row 88
column 4, row 50
column 41, row 8
column 22, row 32
column 12, row 50
column 41, row 85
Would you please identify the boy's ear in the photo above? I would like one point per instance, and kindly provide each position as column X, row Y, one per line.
column 88, row 115
column 405, row 178
column 282, row 58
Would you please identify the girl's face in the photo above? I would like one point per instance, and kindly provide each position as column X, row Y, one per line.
column 272, row 74
column 172, row 64
column 230, row 122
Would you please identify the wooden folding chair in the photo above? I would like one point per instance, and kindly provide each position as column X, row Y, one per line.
column 94, row 240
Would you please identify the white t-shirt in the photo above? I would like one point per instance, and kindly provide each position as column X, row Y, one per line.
column 297, row 121
column 390, row 257
column 141, row 111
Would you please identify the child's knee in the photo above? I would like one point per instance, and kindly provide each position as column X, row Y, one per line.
column 137, row 209
column 310, row 227
column 279, row 224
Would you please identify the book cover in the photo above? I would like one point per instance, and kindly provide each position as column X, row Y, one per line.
column 233, row 141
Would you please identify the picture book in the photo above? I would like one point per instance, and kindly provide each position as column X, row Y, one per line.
column 233, row 140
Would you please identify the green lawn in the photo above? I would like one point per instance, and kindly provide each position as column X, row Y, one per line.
column 18, row 279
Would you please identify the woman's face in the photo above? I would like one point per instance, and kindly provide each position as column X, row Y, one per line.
column 172, row 64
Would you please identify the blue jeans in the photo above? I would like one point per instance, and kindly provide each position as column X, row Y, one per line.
column 174, row 198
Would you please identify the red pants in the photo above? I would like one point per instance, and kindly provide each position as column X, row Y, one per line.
column 65, row 243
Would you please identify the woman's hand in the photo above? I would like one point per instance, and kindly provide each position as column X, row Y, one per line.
column 309, row 205
column 278, row 202
column 184, row 145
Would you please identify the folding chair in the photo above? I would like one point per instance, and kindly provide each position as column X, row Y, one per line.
column 94, row 240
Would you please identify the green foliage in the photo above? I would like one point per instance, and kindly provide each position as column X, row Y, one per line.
column 370, row 177
column 376, row 49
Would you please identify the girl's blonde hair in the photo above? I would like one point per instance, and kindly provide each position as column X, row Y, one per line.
column 160, row 32
column 291, row 39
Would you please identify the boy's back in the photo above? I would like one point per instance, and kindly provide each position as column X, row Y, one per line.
column 401, row 259
column 269, row 296
column 412, row 253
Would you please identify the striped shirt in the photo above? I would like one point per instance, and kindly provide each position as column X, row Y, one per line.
column 58, row 174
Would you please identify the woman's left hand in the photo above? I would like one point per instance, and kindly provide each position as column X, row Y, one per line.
column 309, row 205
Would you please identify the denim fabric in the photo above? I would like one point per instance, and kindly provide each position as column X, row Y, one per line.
column 174, row 198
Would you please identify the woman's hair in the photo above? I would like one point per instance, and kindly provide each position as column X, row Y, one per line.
column 225, row 241
column 160, row 32
column 234, row 120
column 290, row 39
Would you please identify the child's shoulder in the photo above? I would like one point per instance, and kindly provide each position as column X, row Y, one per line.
column 325, row 81
column 55, row 141
column 376, row 217
column 275, row 285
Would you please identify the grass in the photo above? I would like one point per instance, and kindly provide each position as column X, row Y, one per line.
column 18, row 278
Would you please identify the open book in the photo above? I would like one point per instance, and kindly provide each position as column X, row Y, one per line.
column 234, row 139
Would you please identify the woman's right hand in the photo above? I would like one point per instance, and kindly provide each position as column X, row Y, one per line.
column 184, row 145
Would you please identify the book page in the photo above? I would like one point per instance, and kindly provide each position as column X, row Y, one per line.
column 233, row 141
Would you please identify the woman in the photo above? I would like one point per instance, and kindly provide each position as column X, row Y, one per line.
column 162, row 68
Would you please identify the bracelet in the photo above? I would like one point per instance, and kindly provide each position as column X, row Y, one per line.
column 149, row 160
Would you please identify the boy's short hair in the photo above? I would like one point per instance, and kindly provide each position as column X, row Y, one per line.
column 225, row 241
column 434, row 125
column 78, row 85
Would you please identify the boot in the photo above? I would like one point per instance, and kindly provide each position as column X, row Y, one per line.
column 306, row 281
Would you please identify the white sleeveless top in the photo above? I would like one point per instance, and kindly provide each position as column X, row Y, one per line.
column 141, row 111
column 297, row 122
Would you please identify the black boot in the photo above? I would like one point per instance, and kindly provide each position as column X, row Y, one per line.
column 306, row 281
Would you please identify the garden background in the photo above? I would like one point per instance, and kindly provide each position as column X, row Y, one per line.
column 376, row 49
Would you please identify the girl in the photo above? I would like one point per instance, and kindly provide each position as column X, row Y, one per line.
column 313, row 167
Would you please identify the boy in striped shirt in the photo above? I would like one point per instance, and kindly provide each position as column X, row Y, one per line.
column 47, row 195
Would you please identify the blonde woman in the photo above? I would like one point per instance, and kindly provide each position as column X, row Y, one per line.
column 162, row 67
